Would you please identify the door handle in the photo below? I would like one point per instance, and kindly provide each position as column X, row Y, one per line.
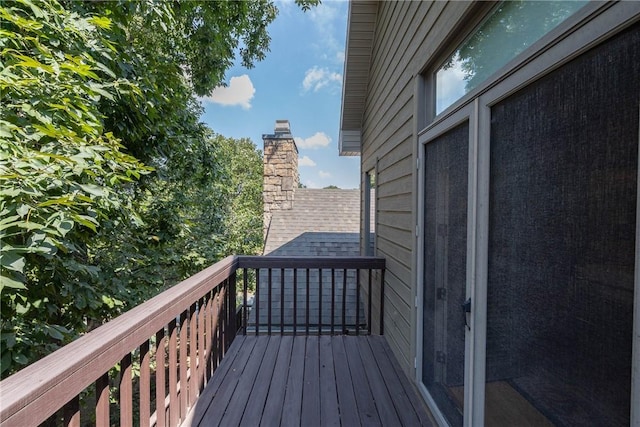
column 466, row 309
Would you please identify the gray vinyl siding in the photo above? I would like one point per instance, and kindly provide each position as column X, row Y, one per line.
column 406, row 37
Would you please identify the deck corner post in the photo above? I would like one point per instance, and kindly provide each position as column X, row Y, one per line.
column 231, row 310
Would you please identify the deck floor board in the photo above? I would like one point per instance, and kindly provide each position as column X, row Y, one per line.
column 310, row 380
column 272, row 413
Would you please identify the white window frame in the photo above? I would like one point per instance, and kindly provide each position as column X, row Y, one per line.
column 368, row 204
column 587, row 28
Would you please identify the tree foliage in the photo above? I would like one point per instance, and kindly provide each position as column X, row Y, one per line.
column 110, row 187
column 61, row 174
column 510, row 29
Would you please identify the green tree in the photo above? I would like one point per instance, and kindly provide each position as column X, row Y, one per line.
column 61, row 174
column 91, row 93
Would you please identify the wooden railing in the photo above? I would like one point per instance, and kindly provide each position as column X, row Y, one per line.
column 174, row 342
column 311, row 294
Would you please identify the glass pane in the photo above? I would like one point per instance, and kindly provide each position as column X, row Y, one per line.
column 445, row 270
column 564, row 154
column 509, row 30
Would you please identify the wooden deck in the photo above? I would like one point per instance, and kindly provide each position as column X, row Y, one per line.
column 309, row 381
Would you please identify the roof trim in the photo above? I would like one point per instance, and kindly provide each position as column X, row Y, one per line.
column 359, row 44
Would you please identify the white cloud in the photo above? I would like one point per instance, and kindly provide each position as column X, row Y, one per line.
column 318, row 140
column 239, row 92
column 306, row 161
column 325, row 18
column 311, row 184
column 450, row 85
column 323, row 15
column 340, row 56
column 324, row 174
column 316, row 78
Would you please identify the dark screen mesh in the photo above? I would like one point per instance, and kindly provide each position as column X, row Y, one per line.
column 446, row 160
column 564, row 155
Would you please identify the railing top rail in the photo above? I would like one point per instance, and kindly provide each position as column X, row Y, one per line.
column 68, row 371
column 358, row 262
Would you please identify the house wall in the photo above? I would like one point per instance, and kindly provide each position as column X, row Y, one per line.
column 409, row 35
column 412, row 38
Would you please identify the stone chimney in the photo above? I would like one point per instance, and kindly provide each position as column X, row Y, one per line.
column 280, row 171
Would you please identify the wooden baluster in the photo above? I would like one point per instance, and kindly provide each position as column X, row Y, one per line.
column 193, row 356
column 71, row 413
column 174, row 403
column 102, row 401
column 202, row 345
column 270, row 293
column 370, row 296
column 211, row 334
column 145, row 385
column 126, row 392
column 282, row 301
column 183, row 363
column 307, row 310
column 245, row 285
column 295, row 301
column 319, row 301
column 357, row 302
column 382, row 301
column 256, row 301
column 220, row 325
column 344, row 301
column 232, row 312
column 224, row 315
column 161, row 345
column 333, row 299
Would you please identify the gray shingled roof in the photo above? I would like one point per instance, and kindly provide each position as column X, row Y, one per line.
column 321, row 223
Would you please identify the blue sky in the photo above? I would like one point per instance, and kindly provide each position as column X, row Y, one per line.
column 300, row 80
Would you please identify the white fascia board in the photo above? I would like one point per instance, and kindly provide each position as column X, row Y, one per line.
column 350, row 143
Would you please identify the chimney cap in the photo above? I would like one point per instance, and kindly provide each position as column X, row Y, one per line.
column 282, row 126
column 282, row 131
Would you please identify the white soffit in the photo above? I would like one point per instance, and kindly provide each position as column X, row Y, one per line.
column 360, row 30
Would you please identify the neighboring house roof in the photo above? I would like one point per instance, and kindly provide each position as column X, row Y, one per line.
column 321, row 223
